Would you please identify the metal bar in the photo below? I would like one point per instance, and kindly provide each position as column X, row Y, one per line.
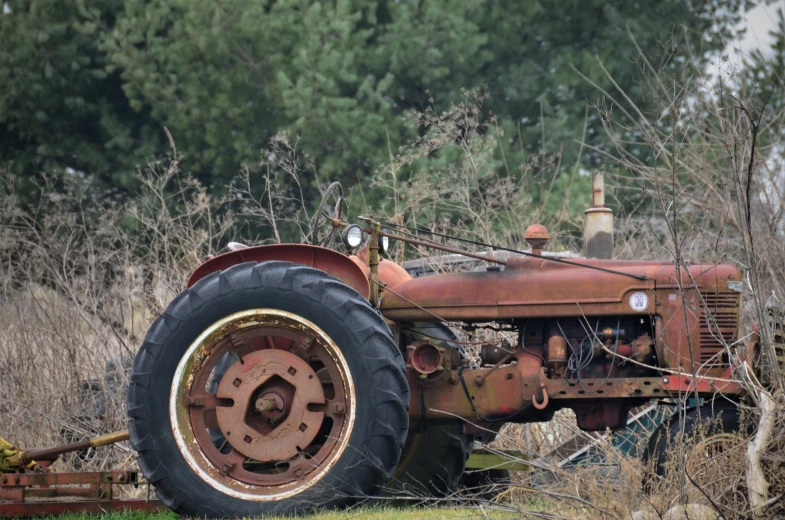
column 634, row 387
column 434, row 245
column 28, row 509
column 501, row 248
column 88, row 492
column 64, row 479
column 373, row 263
column 645, row 387
column 12, row 494
column 497, row 459
column 93, row 492
column 26, row 457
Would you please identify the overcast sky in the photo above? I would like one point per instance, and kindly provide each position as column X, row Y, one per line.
column 759, row 21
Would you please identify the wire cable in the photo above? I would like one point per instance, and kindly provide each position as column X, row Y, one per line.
column 517, row 251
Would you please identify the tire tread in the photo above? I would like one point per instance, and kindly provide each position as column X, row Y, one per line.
column 384, row 358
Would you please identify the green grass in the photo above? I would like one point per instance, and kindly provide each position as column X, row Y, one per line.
column 369, row 513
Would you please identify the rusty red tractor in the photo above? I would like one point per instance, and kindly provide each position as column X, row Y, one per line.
column 293, row 377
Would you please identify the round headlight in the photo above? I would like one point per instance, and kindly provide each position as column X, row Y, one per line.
column 352, row 236
column 384, row 244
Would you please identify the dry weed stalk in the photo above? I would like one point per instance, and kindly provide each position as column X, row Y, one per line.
column 79, row 283
column 705, row 159
column 456, row 179
column 699, row 176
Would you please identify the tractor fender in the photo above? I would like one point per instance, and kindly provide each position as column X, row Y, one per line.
column 390, row 273
column 327, row 260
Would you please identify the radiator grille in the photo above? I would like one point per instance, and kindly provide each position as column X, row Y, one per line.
column 724, row 308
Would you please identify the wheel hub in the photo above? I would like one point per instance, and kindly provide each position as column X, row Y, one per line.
column 283, row 426
column 270, row 402
column 262, row 404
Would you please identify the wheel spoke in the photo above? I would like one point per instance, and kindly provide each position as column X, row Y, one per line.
column 203, row 405
column 299, row 467
column 233, row 462
column 240, row 346
column 281, row 409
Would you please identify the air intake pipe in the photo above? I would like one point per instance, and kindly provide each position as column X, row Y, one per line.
column 598, row 223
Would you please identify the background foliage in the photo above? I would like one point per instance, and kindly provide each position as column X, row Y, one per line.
column 87, row 88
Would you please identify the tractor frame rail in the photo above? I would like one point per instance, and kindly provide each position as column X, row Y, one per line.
column 38, row 494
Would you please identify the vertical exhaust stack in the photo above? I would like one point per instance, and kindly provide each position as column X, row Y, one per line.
column 598, row 225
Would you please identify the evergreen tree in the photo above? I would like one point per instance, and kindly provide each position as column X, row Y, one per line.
column 89, row 87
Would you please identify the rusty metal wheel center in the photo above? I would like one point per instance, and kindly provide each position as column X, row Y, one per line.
column 262, row 404
column 270, row 427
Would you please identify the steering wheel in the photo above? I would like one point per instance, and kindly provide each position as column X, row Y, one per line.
column 331, row 207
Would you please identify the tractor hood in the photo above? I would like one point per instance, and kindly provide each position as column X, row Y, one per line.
column 539, row 288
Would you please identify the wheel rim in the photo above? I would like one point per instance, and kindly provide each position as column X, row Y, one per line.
column 705, row 452
column 281, row 414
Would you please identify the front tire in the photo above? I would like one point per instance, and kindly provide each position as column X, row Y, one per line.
column 708, row 432
column 434, row 456
column 432, row 463
column 312, row 414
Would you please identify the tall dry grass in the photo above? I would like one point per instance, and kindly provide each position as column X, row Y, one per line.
column 79, row 284
column 695, row 174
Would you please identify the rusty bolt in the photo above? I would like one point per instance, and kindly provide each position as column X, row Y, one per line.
column 303, row 427
column 292, row 370
column 339, row 409
column 665, row 380
column 236, row 341
column 238, row 382
column 248, row 439
column 298, row 473
column 193, row 400
column 306, row 344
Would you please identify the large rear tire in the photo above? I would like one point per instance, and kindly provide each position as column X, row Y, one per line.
column 312, row 414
